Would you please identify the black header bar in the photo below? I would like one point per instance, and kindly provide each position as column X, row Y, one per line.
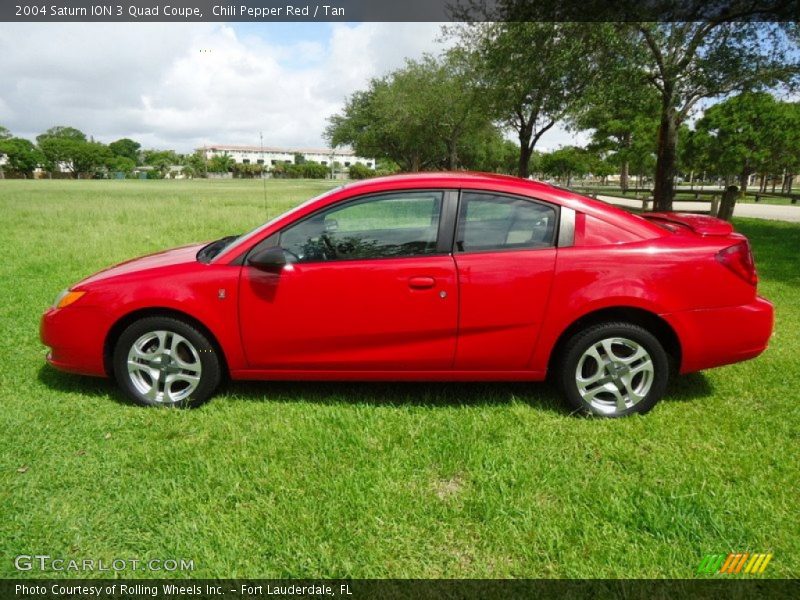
column 396, row 10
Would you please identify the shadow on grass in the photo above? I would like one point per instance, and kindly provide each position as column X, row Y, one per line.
column 430, row 394
column 686, row 388
column 80, row 384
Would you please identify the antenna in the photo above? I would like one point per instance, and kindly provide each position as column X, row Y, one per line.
column 263, row 169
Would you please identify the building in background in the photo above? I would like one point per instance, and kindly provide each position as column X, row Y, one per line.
column 270, row 156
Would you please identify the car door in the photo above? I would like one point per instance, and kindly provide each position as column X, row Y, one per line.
column 505, row 255
column 370, row 284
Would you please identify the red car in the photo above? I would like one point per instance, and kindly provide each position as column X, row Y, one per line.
column 449, row 276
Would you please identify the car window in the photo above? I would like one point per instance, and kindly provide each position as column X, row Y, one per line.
column 389, row 225
column 494, row 222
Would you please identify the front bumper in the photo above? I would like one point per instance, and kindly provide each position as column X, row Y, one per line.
column 75, row 336
column 720, row 336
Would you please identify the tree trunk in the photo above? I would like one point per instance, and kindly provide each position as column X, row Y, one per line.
column 728, row 202
column 789, row 183
column 762, row 186
column 525, row 151
column 773, row 183
column 664, row 186
column 452, row 156
column 624, row 176
column 744, row 176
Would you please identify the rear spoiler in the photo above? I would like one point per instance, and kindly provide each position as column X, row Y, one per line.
column 700, row 224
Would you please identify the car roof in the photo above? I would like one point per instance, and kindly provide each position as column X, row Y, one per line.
column 488, row 182
column 508, row 184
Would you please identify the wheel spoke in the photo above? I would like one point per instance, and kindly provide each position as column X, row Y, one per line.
column 621, row 404
column 157, row 370
column 623, row 375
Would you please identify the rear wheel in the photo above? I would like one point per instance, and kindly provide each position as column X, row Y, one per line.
column 162, row 361
column 613, row 370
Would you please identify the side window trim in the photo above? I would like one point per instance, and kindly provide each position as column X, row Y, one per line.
column 457, row 246
column 447, row 221
column 445, row 215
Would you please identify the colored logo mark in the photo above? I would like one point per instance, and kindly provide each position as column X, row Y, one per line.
column 735, row 563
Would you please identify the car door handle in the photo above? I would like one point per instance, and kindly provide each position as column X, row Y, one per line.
column 421, row 283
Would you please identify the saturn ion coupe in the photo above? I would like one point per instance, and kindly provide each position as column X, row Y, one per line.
column 426, row 277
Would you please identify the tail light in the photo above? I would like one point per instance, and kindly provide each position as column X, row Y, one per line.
column 739, row 259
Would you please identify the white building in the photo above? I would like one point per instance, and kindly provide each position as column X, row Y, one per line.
column 271, row 156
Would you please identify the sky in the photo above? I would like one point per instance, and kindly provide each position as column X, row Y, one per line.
column 182, row 86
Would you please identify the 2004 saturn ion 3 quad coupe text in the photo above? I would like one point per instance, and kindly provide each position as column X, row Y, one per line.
column 426, row 277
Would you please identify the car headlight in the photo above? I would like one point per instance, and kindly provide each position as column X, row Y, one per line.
column 67, row 297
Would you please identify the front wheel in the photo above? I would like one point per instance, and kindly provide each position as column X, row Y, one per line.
column 613, row 370
column 162, row 361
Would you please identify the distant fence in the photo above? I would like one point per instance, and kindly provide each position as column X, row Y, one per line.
column 681, row 195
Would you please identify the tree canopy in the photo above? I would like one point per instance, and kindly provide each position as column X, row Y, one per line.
column 531, row 73
column 421, row 116
column 688, row 62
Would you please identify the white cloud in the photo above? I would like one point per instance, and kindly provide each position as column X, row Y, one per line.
column 183, row 85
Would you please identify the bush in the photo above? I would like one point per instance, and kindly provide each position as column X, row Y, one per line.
column 308, row 170
column 359, row 171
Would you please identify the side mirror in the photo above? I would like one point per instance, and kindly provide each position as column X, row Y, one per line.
column 271, row 259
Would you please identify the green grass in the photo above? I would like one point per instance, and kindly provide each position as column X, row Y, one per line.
column 372, row 480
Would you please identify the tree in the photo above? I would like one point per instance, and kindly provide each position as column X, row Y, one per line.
column 566, row 162
column 5, row 134
column 58, row 145
column 621, row 112
column 197, row 162
column 734, row 136
column 68, row 147
column 120, row 164
column 21, row 155
column 491, row 152
column 686, row 62
column 601, row 164
column 87, row 157
column 420, row 116
column 127, row 148
column 531, row 73
column 161, row 160
column 221, row 163
column 748, row 134
column 784, row 150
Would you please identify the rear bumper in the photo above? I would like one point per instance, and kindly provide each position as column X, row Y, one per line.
column 720, row 336
column 75, row 336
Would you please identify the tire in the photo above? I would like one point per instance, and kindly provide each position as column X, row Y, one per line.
column 163, row 361
column 613, row 370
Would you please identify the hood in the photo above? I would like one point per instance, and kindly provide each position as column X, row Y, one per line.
column 165, row 258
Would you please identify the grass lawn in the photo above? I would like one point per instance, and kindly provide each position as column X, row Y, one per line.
column 372, row 480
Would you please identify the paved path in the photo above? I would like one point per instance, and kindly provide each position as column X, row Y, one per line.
column 775, row 212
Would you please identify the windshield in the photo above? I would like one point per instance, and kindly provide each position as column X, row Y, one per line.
column 221, row 245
